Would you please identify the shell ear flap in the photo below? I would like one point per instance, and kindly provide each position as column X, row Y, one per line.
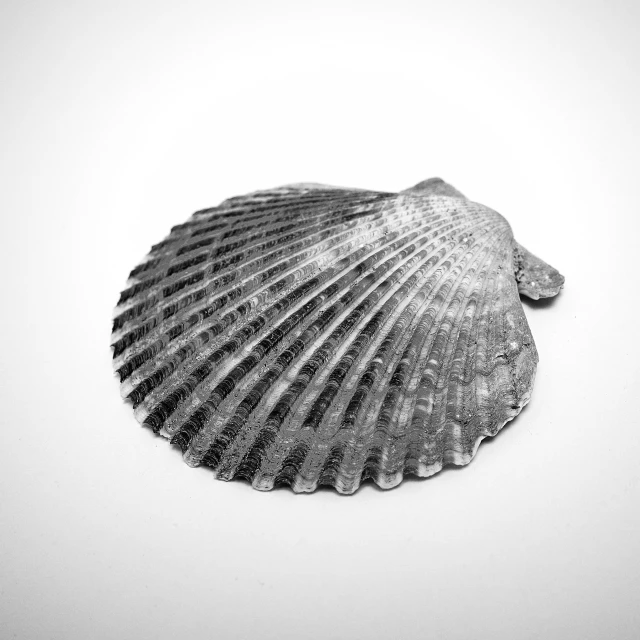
column 536, row 279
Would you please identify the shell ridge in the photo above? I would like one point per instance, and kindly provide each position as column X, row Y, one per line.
column 358, row 269
column 171, row 335
column 389, row 420
column 127, row 340
column 321, row 385
column 353, row 255
column 397, row 247
column 441, row 389
column 176, row 284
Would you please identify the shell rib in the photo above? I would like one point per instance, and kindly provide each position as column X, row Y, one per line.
column 312, row 335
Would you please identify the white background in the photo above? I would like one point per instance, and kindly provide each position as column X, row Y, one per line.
column 119, row 119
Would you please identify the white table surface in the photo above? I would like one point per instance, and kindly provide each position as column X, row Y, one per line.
column 121, row 119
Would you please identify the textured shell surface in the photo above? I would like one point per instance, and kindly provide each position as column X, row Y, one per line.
column 312, row 335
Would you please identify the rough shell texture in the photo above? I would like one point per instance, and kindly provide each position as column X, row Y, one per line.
column 313, row 335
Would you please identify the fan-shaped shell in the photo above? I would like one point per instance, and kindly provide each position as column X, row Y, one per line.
column 314, row 335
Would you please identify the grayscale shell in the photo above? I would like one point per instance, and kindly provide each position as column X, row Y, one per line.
column 312, row 335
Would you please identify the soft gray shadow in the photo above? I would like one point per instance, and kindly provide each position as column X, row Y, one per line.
column 543, row 303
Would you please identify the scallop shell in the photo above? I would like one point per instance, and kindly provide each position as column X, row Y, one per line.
column 312, row 335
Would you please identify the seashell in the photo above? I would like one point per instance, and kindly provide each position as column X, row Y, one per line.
column 311, row 335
